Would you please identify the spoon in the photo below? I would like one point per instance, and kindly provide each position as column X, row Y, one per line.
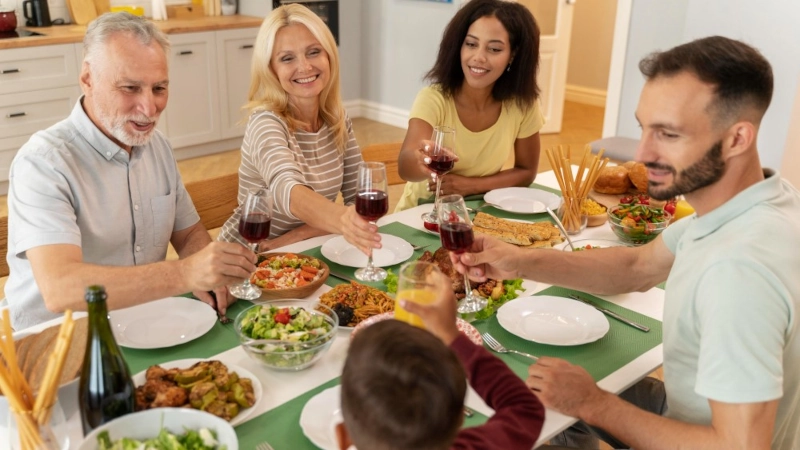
column 560, row 226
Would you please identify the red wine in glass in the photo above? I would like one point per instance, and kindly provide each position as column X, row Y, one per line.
column 255, row 227
column 372, row 205
column 441, row 164
column 456, row 236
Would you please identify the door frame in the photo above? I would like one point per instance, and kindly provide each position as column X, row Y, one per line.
column 619, row 48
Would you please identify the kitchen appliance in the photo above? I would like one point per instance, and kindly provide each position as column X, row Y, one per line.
column 37, row 12
column 8, row 20
column 327, row 10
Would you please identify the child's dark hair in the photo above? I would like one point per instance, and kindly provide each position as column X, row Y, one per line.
column 402, row 388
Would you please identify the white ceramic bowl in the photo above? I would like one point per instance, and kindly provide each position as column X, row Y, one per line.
column 147, row 424
column 595, row 243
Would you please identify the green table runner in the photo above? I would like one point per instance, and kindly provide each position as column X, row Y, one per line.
column 621, row 345
column 281, row 426
column 219, row 339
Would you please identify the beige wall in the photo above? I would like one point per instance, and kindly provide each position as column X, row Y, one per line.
column 590, row 48
column 790, row 168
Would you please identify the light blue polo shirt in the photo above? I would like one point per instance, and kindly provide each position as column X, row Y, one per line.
column 731, row 332
column 70, row 184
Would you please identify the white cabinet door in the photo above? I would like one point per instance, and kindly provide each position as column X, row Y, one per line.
column 25, row 113
column 34, row 68
column 234, row 53
column 193, row 108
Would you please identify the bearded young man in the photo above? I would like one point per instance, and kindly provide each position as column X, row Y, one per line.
column 97, row 198
column 731, row 344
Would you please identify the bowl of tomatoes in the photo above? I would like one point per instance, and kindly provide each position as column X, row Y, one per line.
column 288, row 275
column 636, row 222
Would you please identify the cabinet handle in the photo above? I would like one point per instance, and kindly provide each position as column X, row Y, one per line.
column 186, row 52
column 245, row 47
column 16, row 114
column 4, row 71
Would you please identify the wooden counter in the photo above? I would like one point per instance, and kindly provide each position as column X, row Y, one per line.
column 67, row 34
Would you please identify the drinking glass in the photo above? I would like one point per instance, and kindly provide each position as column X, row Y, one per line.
column 372, row 203
column 416, row 283
column 455, row 230
column 254, row 225
column 442, row 159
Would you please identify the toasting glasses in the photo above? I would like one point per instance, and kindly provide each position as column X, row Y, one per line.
column 254, row 225
column 442, row 159
column 455, row 230
column 372, row 203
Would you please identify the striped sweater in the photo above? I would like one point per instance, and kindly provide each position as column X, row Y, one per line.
column 272, row 156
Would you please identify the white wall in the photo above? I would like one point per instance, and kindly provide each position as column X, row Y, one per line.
column 769, row 25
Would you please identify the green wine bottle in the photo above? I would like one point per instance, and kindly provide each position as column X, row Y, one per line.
column 106, row 390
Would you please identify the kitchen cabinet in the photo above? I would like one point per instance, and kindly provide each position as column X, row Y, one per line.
column 234, row 53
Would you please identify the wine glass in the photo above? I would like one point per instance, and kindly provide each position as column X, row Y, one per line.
column 372, row 202
column 442, row 158
column 254, row 225
column 455, row 230
column 417, row 284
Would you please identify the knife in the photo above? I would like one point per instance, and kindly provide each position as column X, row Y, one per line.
column 610, row 313
column 340, row 275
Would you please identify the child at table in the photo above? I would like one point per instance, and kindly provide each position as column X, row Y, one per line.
column 484, row 86
column 403, row 387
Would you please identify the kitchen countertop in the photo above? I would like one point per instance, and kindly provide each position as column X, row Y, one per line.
column 68, row 34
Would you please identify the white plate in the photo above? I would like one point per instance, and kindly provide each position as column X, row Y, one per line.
column 598, row 243
column 139, row 379
column 319, row 416
column 552, row 320
column 394, row 251
column 522, row 200
column 162, row 323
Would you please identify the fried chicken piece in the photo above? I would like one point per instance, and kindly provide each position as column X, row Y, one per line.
column 487, row 287
column 171, row 397
column 155, row 373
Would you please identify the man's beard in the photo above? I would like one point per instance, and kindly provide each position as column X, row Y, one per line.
column 703, row 173
column 115, row 125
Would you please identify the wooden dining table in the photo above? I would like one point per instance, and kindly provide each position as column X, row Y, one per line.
column 618, row 360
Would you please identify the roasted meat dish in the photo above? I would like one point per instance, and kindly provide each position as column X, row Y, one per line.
column 441, row 258
column 207, row 386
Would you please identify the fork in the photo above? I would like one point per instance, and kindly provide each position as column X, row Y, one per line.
column 264, row 446
column 499, row 348
column 419, row 247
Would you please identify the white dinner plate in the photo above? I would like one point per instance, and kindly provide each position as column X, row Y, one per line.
column 394, row 251
column 522, row 200
column 139, row 379
column 162, row 323
column 319, row 416
column 552, row 320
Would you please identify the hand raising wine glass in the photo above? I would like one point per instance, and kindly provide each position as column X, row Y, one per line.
column 441, row 160
column 372, row 203
column 455, row 230
column 254, row 225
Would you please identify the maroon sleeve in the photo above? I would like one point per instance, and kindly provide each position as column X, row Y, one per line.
column 519, row 414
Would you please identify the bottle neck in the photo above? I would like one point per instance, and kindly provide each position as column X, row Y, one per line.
column 98, row 315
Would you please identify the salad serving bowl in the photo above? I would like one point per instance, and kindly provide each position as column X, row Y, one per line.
column 280, row 285
column 287, row 335
column 637, row 224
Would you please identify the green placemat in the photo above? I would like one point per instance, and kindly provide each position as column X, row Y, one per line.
column 620, row 346
column 219, row 339
column 281, row 426
column 410, row 234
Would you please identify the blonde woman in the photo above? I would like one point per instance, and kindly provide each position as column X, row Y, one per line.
column 299, row 141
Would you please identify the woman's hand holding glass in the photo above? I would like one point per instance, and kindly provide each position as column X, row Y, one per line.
column 441, row 159
column 254, row 226
column 359, row 231
column 455, row 230
column 372, row 203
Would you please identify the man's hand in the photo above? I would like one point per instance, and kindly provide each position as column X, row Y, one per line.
column 217, row 265
column 440, row 316
column 564, row 387
column 487, row 258
column 220, row 301
column 359, row 232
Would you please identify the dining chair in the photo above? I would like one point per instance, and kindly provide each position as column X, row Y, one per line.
column 3, row 246
column 214, row 199
column 386, row 153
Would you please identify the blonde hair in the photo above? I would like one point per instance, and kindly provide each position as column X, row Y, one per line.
column 266, row 92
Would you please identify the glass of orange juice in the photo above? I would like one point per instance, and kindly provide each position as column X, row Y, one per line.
column 416, row 283
column 682, row 209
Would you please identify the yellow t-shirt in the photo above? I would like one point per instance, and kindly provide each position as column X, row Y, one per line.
column 479, row 154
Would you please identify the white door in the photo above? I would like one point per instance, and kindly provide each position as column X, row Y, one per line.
column 554, row 18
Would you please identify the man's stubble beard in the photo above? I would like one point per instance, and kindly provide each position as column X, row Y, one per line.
column 701, row 174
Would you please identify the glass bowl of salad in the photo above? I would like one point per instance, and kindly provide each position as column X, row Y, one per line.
column 636, row 223
column 286, row 335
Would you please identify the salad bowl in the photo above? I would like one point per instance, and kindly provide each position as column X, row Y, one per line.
column 286, row 275
column 286, row 335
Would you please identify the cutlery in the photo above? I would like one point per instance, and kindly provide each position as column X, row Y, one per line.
column 499, row 348
column 419, row 247
column 468, row 412
column 340, row 275
column 264, row 446
column 560, row 226
column 223, row 319
column 610, row 313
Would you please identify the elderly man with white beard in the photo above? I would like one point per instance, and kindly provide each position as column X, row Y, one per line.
column 97, row 198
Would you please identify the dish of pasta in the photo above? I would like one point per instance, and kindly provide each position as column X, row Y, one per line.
column 355, row 302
